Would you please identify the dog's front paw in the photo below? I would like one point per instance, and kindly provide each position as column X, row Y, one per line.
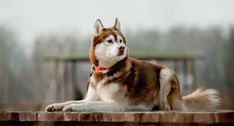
column 75, row 107
column 165, row 107
column 68, row 108
column 54, row 107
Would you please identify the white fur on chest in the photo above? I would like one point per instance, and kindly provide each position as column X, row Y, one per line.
column 106, row 91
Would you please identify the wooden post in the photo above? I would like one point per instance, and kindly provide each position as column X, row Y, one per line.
column 56, row 80
column 193, row 71
column 176, row 66
column 186, row 75
column 74, row 80
column 65, row 81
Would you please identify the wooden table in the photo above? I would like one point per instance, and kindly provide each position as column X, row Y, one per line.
column 118, row 118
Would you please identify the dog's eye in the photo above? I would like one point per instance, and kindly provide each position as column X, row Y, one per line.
column 120, row 40
column 110, row 41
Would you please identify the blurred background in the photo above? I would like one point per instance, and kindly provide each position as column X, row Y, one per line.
column 44, row 45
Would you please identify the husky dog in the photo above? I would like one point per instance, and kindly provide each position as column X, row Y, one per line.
column 119, row 82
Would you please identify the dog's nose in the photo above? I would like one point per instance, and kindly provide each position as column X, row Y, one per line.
column 121, row 48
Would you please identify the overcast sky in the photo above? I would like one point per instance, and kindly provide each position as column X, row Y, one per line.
column 29, row 18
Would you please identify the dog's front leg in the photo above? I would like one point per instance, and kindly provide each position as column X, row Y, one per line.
column 60, row 106
column 95, row 106
column 91, row 96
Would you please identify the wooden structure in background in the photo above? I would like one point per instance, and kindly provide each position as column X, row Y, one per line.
column 73, row 60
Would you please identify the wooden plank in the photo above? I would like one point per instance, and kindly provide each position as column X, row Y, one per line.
column 174, row 117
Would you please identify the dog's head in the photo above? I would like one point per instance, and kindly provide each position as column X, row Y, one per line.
column 108, row 45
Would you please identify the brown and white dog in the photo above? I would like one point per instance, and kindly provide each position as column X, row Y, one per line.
column 122, row 83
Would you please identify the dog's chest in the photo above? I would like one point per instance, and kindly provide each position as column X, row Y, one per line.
column 107, row 92
column 106, row 89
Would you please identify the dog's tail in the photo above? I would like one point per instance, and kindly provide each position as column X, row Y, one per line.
column 201, row 100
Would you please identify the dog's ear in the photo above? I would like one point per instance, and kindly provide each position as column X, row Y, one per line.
column 98, row 27
column 117, row 24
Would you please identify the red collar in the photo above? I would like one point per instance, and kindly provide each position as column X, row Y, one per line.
column 99, row 69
